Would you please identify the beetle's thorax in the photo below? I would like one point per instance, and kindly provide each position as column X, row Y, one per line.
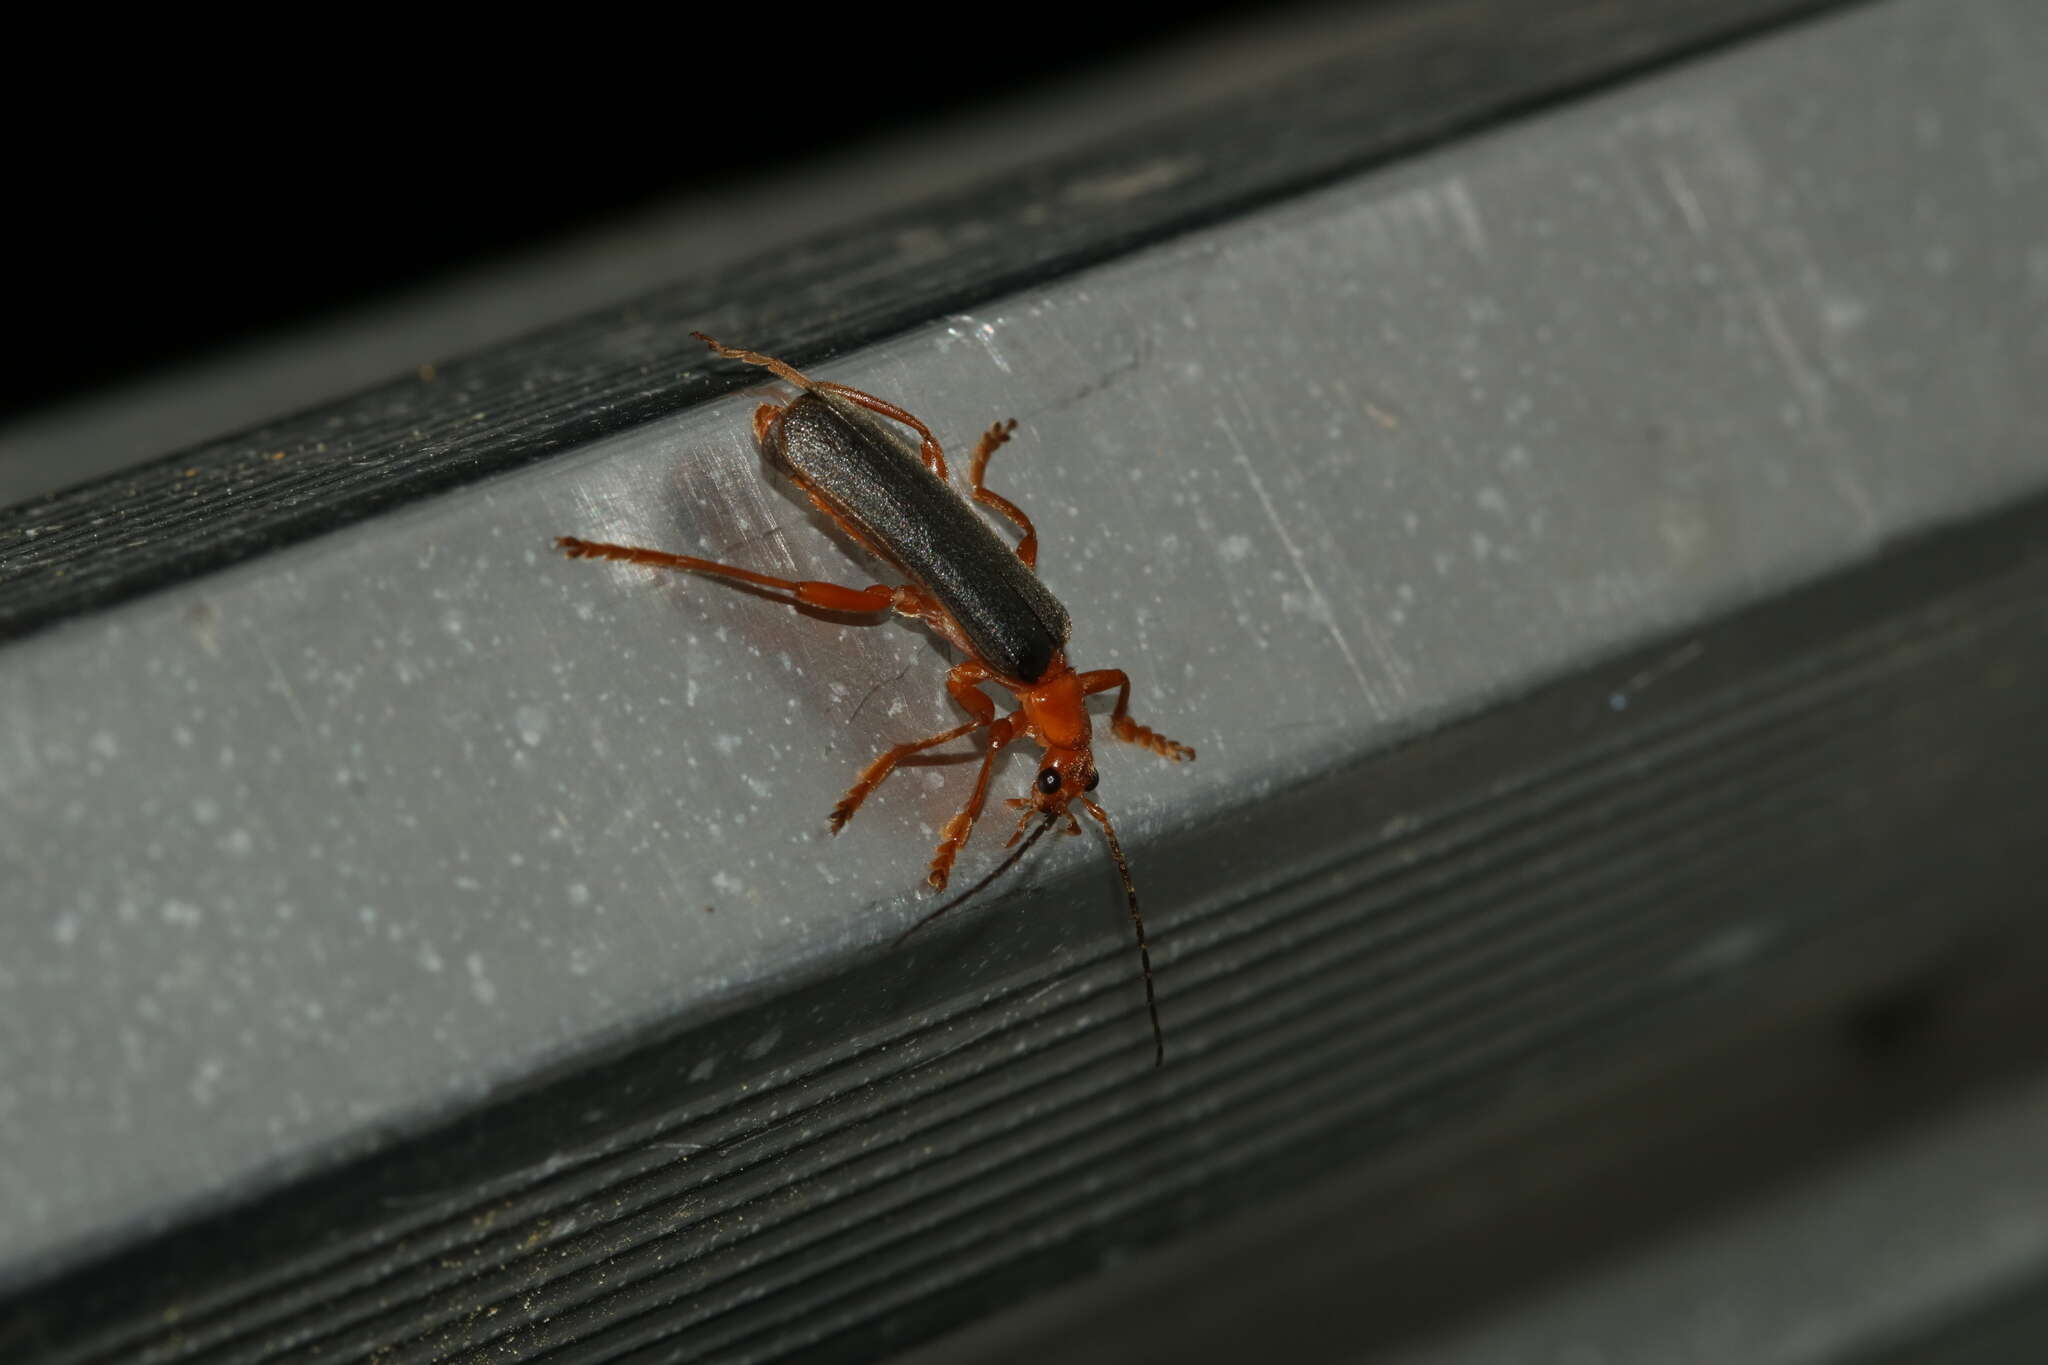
column 1055, row 711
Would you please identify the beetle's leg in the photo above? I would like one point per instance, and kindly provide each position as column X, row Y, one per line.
column 803, row 592
column 872, row 776
column 954, row 837
column 934, row 458
column 991, row 440
column 1120, row 723
column 961, row 682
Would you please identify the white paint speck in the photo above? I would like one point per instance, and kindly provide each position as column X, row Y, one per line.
column 532, row 723
column 1235, row 549
column 1844, row 314
column 480, row 985
column 205, row 1083
column 184, row 914
column 1311, row 605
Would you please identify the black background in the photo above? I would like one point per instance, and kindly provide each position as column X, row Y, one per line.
column 199, row 187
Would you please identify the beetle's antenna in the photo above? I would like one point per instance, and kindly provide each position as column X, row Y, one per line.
column 1123, row 869
column 781, row 368
column 971, row 892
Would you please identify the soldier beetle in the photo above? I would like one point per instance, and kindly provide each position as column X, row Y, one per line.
column 892, row 498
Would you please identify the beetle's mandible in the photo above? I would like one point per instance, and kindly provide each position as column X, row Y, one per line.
column 892, row 498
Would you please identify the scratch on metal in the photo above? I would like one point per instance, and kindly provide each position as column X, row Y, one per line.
column 1301, row 569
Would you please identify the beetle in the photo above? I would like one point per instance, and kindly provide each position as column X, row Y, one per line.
column 894, row 499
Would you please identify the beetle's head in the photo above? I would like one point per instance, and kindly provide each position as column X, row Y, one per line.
column 1065, row 774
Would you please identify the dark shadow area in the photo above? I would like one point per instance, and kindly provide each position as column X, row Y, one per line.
column 249, row 192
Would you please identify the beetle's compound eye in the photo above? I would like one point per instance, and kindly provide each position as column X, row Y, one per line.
column 1094, row 781
column 1049, row 780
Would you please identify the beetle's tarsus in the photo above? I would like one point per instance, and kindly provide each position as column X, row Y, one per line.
column 1130, row 732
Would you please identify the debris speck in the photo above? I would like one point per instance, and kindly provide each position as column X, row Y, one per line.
column 532, row 724
column 485, row 990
